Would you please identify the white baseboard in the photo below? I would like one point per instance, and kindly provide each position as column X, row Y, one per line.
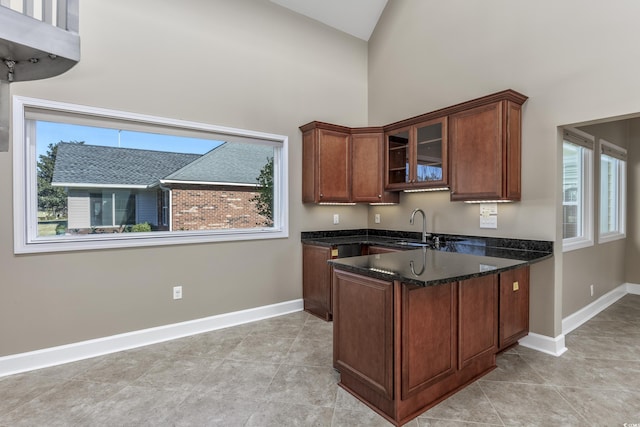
column 47, row 357
column 554, row 346
column 581, row 316
column 632, row 288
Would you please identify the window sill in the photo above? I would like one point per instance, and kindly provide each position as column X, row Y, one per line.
column 113, row 241
column 575, row 244
column 611, row 237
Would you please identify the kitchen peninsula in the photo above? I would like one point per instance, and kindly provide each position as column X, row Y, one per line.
column 412, row 327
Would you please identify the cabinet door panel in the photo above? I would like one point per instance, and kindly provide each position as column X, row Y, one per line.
column 398, row 159
column 478, row 318
column 363, row 330
column 431, row 152
column 316, row 280
column 334, row 169
column 309, row 167
column 429, row 336
column 514, row 151
column 514, row 306
column 367, row 164
column 477, row 153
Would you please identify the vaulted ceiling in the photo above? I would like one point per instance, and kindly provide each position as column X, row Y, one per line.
column 355, row 17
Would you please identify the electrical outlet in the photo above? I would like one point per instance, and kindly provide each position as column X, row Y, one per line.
column 591, row 290
column 336, row 219
column 177, row 292
column 376, row 218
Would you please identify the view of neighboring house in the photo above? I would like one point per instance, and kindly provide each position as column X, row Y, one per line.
column 109, row 188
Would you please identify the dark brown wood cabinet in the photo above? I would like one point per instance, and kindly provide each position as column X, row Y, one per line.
column 514, row 306
column 402, row 348
column 343, row 165
column 428, row 357
column 317, row 280
column 473, row 148
column 416, row 154
column 367, row 184
column 363, row 339
column 478, row 318
column 326, row 163
column 485, row 149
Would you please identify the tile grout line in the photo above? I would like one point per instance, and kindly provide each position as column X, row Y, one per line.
column 491, row 403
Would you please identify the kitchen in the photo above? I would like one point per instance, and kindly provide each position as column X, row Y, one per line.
column 496, row 46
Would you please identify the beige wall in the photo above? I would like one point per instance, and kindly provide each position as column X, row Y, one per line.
column 632, row 248
column 571, row 58
column 247, row 64
column 603, row 264
column 254, row 65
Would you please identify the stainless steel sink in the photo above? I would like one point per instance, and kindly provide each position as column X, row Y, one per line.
column 414, row 244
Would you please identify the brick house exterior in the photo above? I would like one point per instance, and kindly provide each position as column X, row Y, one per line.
column 110, row 189
column 212, row 207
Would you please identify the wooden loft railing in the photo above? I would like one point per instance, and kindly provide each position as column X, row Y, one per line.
column 38, row 40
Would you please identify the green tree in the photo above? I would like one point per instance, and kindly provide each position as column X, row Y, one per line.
column 264, row 198
column 51, row 200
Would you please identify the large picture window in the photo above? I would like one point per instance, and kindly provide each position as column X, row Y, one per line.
column 95, row 178
column 612, row 192
column 577, row 200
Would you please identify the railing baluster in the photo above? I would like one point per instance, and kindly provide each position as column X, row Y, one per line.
column 61, row 20
column 73, row 15
column 27, row 7
column 47, row 11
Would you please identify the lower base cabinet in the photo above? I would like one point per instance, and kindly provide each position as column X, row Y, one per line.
column 317, row 276
column 403, row 348
column 514, row 306
column 316, row 280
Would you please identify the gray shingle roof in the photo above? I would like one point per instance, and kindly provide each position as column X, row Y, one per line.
column 96, row 165
column 93, row 164
column 230, row 162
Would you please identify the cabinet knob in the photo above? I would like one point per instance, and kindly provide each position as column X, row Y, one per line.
column 321, row 195
column 379, row 196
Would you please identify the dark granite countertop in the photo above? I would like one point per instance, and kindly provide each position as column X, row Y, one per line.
column 454, row 258
column 425, row 267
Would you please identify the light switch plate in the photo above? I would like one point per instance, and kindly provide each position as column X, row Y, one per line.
column 488, row 215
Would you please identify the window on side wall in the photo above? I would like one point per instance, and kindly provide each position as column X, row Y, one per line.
column 613, row 181
column 577, row 190
column 91, row 178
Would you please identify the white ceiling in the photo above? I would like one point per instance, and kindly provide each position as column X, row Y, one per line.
column 355, row 17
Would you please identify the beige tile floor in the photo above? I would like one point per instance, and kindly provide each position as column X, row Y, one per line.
column 277, row 372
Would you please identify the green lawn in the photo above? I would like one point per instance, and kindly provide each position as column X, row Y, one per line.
column 48, row 228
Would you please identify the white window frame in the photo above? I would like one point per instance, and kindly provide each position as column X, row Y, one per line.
column 586, row 141
column 25, row 185
column 619, row 153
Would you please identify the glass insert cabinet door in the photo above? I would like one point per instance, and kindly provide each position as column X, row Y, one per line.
column 398, row 158
column 429, row 159
column 417, row 155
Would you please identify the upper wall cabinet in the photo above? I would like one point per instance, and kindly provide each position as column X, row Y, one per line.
column 367, row 183
column 485, row 148
column 343, row 165
column 473, row 148
column 326, row 163
column 416, row 155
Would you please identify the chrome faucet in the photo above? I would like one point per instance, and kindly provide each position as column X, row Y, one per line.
column 424, row 223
